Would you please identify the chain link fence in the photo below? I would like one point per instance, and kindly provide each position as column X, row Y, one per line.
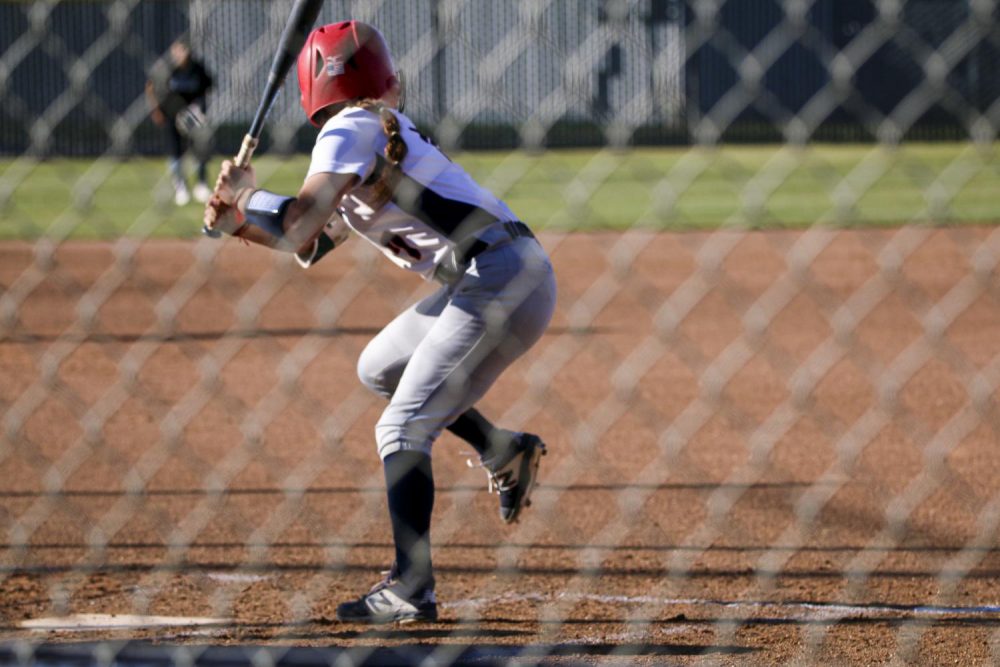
column 769, row 392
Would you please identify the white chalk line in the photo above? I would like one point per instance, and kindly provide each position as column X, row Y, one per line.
column 808, row 610
column 84, row 622
column 237, row 578
column 790, row 610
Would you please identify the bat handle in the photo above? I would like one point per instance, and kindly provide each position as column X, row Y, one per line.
column 210, row 233
column 242, row 160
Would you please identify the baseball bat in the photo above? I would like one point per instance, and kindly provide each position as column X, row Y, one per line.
column 300, row 22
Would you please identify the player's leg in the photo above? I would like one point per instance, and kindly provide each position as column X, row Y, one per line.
column 490, row 320
column 485, row 325
column 409, row 481
column 475, row 429
column 407, row 592
column 384, row 359
column 202, row 192
column 201, row 143
column 511, row 459
column 175, row 145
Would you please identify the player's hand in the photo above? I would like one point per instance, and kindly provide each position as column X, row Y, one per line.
column 221, row 217
column 158, row 117
column 231, row 180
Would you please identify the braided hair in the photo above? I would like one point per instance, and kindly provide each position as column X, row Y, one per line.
column 395, row 150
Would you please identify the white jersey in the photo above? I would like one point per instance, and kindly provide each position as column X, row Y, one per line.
column 435, row 205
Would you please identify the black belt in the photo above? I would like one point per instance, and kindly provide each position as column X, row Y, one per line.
column 453, row 266
column 515, row 229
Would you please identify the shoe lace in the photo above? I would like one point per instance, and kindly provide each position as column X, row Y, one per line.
column 389, row 577
column 495, row 483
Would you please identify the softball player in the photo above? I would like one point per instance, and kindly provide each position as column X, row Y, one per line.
column 373, row 173
column 176, row 93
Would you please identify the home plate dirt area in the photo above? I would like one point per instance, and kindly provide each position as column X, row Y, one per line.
column 762, row 446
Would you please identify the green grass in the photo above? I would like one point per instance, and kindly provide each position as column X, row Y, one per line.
column 667, row 188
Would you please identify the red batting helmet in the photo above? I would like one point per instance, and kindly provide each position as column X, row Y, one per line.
column 341, row 62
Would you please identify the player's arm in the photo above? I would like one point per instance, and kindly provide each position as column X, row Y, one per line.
column 289, row 224
column 154, row 104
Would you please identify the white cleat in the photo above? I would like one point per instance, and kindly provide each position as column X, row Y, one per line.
column 383, row 604
column 181, row 196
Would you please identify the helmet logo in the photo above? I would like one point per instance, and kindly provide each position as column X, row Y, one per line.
column 334, row 66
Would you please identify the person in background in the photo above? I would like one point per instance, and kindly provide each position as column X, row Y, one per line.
column 176, row 92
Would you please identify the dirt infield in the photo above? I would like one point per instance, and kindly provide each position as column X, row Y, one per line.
column 762, row 446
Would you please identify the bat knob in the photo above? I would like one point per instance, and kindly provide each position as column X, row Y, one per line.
column 209, row 232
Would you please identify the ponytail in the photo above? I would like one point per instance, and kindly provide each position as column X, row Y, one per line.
column 395, row 151
column 395, row 147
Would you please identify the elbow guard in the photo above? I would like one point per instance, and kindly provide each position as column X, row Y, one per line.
column 319, row 248
column 267, row 210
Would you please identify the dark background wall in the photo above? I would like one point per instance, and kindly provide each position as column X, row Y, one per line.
column 72, row 77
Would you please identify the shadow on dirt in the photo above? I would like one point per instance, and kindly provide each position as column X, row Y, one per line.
column 98, row 337
column 221, row 566
column 134, row 654
column 379, row 490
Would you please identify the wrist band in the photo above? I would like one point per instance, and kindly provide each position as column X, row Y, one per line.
column 266, row 210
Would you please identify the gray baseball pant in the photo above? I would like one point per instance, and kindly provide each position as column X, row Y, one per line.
column 440, row 356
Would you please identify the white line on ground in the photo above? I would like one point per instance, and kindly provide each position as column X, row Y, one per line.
column 782, row 609
column 778, row 609
column 80, row 622
column 237, row 578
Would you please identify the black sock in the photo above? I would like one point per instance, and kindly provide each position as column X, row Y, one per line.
column 410, row 489
column 476, row 430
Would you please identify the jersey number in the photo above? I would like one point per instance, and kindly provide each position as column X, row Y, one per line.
column 400, row 246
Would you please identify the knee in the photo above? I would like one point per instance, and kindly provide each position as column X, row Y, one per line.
column 396, row 432
column 375, row 374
